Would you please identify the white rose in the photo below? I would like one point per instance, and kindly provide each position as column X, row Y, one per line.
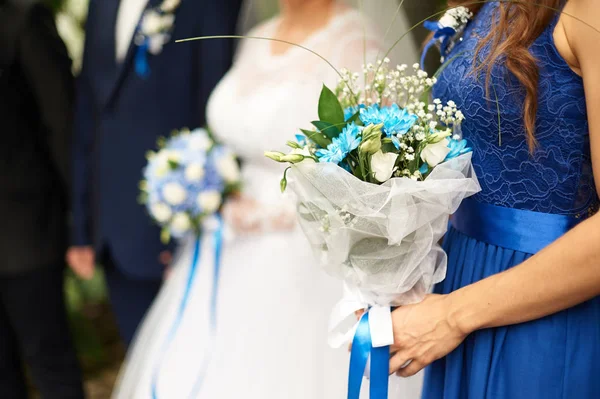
column 228, row 169
column 161, row 212
column 181, row 222
column 194, row 172
column 382, row 165
column 209, row 201
column 174, row 193
column 199, row 140
column 433, row 154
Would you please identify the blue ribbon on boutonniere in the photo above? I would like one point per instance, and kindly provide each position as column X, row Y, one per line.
column 142, row 69
column 218, row 242
column 441, row 35
column 362, row 353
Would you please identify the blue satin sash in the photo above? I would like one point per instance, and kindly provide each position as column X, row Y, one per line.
column 516, row 229
column 218, row 242
column 362, row 351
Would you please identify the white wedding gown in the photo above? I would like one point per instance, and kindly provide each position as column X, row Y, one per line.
column 273, row 301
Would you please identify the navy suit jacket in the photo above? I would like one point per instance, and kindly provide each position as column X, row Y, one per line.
column 119, row 117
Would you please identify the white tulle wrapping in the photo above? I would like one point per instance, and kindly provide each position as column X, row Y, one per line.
column 381, row 240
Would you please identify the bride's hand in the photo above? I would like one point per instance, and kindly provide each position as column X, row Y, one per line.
column 242, row 214
column 423, row 333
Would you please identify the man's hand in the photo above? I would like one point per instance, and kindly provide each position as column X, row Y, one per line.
column 82, row 261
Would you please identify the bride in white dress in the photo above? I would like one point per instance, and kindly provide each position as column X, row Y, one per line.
column 273, row 302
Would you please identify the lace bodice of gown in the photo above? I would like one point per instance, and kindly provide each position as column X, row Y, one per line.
column 264, row 99
column 557, row 177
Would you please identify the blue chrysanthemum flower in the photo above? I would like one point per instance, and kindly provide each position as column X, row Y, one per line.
column 371, row 115
column 395, row 120
column 301, row 139
column 457, row 148
column 347, row 141
column 350, row 111
column 333, row 153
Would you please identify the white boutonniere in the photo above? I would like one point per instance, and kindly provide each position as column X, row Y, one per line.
column 447, row 31
column 153, row 32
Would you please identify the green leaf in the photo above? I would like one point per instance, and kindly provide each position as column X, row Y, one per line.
column 330, row 109
column 317, row 137
column 173, row 164
column 328, row 129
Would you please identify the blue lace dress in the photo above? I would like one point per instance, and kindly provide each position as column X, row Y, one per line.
column 527, row 201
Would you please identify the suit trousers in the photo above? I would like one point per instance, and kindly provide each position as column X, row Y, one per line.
column 34, row 330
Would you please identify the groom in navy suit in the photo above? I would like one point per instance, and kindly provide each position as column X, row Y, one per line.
column 120, row 114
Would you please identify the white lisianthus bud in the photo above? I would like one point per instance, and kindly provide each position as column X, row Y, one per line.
column 209, row 201
column 371, row 139
column 439, row 136
column 435, row 153
column 274, row 155
column 174, row 193
column 228, row 168
column 194, row 172
column 161, row 212
column 305, row 153
column 181, row 222
column 382, row 165
column 292, row 158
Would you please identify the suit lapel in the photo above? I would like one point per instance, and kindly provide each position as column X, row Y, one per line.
column 125, row 67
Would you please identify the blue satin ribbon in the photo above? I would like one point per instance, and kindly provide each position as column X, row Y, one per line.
column 142, row 68
column 516, row 229
column 218, row 240
column 362, row 349
column 441, row 35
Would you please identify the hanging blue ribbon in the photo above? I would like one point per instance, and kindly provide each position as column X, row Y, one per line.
column 362, row 349
column 218, row 241
column 142, row 68
column 441, row 35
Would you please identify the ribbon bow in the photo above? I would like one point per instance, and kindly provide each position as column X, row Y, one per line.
column 372, row 336
column 441, row 34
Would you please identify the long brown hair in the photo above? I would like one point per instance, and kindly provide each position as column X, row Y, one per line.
column 514, row 29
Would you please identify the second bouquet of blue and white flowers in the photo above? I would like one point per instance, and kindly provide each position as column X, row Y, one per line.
column 186, row 182
column 376, row 181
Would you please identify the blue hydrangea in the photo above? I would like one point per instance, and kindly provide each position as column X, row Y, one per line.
column 347, row 141
column 395, row 120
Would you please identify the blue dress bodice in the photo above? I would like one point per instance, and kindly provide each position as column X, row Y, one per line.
column 557, row 176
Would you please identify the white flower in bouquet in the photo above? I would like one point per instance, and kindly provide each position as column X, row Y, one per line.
column 435, row 153
column 161, row 212
column 383, row 165
column 174, row 193
column 199, row 140
column 194, row 172
column 181, row 223
column 209, row 201
column 228, row 168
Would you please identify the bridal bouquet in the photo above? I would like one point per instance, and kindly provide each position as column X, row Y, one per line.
column 186, row 181
column 376, row 181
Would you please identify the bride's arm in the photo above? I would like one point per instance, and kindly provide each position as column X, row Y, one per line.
column 563, row 275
